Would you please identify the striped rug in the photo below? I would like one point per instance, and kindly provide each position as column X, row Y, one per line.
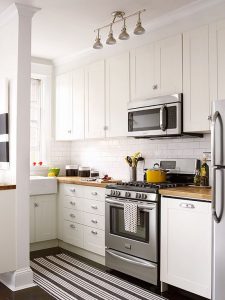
column 67, row 278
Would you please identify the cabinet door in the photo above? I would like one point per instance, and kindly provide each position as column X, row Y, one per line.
column 78, row 104
column 196, row 80
column 32, row 220
column 217, row 60
column 117, row 95
column 186, row 245
column 64, row 107
column 45, row 217
column 95, row 100
column 168, row 55
column 142, row 72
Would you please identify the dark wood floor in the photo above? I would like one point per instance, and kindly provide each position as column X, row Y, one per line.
column 36, row 293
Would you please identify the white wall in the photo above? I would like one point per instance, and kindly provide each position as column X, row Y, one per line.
column 108, row 155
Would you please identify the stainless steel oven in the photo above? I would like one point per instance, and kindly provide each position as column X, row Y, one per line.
column 135, row 254
column 160, row 116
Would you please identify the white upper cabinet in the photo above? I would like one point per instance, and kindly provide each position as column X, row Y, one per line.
column 64, row 105
column 78, row 104
column 95, row 100
column 196, row 80
column 217, row 60
column 169, row 65
column 117, row 95
column 156, row 69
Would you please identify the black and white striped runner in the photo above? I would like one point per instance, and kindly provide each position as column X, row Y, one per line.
column 67, row 278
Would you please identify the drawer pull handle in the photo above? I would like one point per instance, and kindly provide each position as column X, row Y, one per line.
column 94, row 206
column 73, row 190
column 36, row 205
column 94, row 193
column 72, row 215
column 94, row 221
column 94, row 232
column 72, row 203
column 187, row 205
column 72, row 226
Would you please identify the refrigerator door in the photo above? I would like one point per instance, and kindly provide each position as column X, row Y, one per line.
column 218, row 176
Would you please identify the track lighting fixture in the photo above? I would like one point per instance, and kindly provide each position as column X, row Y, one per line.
column 119, row 16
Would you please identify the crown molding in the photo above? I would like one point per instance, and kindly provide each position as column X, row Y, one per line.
column 16, row 9
column 154, row 25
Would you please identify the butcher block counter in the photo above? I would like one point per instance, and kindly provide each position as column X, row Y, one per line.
column 79, row 181
column 4, row 186
column 198, row 193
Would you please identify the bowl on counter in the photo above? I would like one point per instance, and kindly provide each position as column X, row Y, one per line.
column 53, row 172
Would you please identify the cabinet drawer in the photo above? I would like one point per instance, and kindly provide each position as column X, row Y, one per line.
column 94, row 207
column 73, row 215
column 74, row 190
column 95, row 221
column 73, row 233
column 94, row 240
column 73, row 202
column 190, row 205
column 95, row 193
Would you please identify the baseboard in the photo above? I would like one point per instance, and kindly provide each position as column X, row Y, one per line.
column 44, row 245
column 82, row 252
column 18, row 280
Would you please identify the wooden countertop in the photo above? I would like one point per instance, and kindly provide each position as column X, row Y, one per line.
column 77, row 180
column 197, row 193
column 4, row 187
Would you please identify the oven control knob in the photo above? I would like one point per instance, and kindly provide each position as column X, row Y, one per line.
column 138, row 195
column 117, row 193
column 144, row 196
column 127, row 194
column 113, row 193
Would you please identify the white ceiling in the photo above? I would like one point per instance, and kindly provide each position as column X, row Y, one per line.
column 65, row 27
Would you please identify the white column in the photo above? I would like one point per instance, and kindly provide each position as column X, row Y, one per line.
column 22, row 15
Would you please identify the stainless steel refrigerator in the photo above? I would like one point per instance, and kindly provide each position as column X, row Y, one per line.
column 218, row 199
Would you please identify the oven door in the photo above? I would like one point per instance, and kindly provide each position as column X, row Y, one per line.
column 143, row 243
column 146, row 121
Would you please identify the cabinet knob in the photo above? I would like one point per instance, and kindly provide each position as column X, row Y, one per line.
column 72, row 226
column 73, row 190
column 69, row 131
column 94, row 206
column 94, row 193
column 72, row 215
column 94, row 232
column 36, row 205
column 72, row 203
column 105, row 128
column 210, row 118
column 94, row 221
column 155, row 87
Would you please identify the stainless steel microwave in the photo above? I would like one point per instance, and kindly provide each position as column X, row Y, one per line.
column 157, row 117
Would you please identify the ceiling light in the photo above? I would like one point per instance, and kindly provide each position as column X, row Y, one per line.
column 98, row 44
column 111, row 40
column 139, row 29
column 124, row 35
column 119, row 16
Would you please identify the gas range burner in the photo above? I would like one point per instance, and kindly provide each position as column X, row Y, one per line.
column 148, row 185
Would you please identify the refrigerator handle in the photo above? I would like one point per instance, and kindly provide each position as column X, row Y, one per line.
column 216, row 116
column 214, row 213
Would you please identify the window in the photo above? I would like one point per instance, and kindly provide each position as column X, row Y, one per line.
column 35, row 120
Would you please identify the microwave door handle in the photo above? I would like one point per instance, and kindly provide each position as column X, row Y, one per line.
column 161, row 117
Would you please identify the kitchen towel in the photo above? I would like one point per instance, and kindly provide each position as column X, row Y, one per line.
column 131, row 216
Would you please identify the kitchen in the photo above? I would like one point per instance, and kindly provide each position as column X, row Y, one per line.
column 91, row 109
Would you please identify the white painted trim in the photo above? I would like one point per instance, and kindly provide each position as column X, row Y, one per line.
column 18, row 280
column 26, row 10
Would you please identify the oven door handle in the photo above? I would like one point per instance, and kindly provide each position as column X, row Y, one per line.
column 134, row 261
column 120, row 204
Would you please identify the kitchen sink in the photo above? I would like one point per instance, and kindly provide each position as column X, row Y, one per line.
column 41, row 185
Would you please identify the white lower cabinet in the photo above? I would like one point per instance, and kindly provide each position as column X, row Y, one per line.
column 81, row 217
column 42, row 218
column 8, row 231
column 186, row 245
